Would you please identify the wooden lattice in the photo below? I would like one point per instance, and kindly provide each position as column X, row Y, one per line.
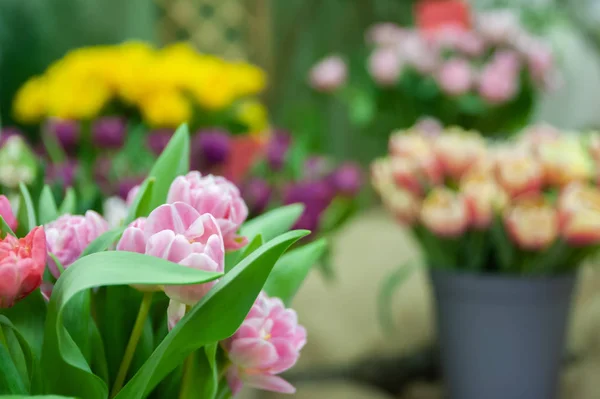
column 224, row 27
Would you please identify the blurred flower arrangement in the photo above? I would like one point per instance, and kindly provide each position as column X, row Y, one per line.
column 210, row 317
column 530, row 205
column 484, row 75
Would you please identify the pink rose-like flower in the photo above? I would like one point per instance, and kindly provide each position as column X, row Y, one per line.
column 385, row 66
column 329, row 74
column 445, row 213
column 7, row 213
column 498, row 84
column 217, row 196
column 267, row 343
column 178, row 233
column 69, row 235
column 22, row 264
column 455, row 77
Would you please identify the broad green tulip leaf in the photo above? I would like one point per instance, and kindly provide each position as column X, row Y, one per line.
column 69, row 203
column 389, row 286
column 336, row 214
column 174, row 161
column 5, row 228
column 16, row 354
column 10, row 379
column 27, row 317
column 291, row 270
column 98, row 364
column 77, row 322
column 223, row 309
column 224, row 392
column 66, row 371
column 26, row 214
column 272, row 223
column 31, row 364
column 141, row 205
column 35, row 397
column 47, row 210
column 201, row 378
column 233, row 258
column 104, row 241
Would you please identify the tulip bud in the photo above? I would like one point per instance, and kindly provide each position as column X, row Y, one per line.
column 22, row 264
column 445, row 213
column 257, row 193
column 459, row 150
column 407, row 174
column 277, row 149
column 579, row 209
column 109, row 132
column 532, row 223
column 210, row 148
column 66, row 131
column 519, row 172
column 418, row 149
column 385, row 34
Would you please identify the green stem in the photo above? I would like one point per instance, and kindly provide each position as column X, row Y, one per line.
column 3, row 338
column 186, row 375
column 134, row 338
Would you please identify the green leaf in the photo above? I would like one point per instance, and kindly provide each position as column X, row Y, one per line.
column 223, row 309
column 174, row 161
column 26, row 214
column 503, row 246
column 362, row 108
column 65, row 368
column 201, row 378
column 272, row 223
column 476, row 250
column 546, row 261
column 10, row 379
column 47, row 210
column 5, row 228
column 28, row 316
column 336, row 214
column 103, row 242
column 291, row 270
column 233, row 258
column 384, row 300
column 35, row 397
column 141, row 205
column 30, row 360
column 99, row 365
column 69, row 204
column 77, row 315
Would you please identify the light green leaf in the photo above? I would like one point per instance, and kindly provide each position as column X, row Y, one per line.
column 66, row 371
column 223, row 309
column 10, row 379
column 174, row 161
column 291, row 270
column 272, row 223
column 103, row 242
column 384, row 300
column 26, row 214
column 201, row 378
column 69, row 204
column 31, row 362
column 28, row 316
column 233, row 258
column 99, row 365
column 35, row 397
column 141, row 205
column 47, row 210
column 5, row 228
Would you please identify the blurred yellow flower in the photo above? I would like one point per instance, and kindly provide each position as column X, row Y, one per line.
column 167, row 108
column 254, row 115
column 30, row 102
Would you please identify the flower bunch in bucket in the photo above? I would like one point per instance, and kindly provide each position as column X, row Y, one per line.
column 527, row 206
column 185, row 298
column 484, row 73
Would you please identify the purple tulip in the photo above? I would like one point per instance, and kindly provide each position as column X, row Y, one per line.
column 102, row 169
column 210, row 148
column 127, row 184
column 277, row 149
column 257, row 194
column 316, row 197
column 66, row 132
column 346, row 179
column 316, row 167
column 63, row 173
column 109, row 132
column 158, row 139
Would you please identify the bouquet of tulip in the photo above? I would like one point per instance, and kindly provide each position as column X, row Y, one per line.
column 485, row 76
column 184, row 299
column 530, row 205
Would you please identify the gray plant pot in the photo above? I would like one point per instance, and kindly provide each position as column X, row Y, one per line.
column 501, row 337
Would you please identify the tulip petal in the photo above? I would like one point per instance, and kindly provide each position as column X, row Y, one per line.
column 268, row 382
column 175, row 312
column 252, row 353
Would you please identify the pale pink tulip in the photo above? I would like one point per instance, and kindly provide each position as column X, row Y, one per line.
column 429, row 126
column 498, row 84
column 132, row 194
column 536, row 135
column 7, row 213
column 385, row 66
column 419, row 54
column 417, row 148
column 532, row 223
column 455, row 77
column 445, row 213
column 499, row 26
column 69, row 235
column 579, row 210
column 329, row 74
column 385, row 34
column 178, row 233
column 459, row 150
column 217, row 196
column 403, row 204
column 483, row 196
column 457, row 38
column 22, row 264
column 519, row 173
column 267, row 343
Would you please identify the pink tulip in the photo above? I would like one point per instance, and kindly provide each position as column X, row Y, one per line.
column 217, row 196
column 532, row 223
column 22, row 264
column 329, row 74
column 483, row 197
column 385, row 66
column 403, row 204
column 178, row 233
column 7, row 213
column 455, row 77
column 419, row 54
column 579, row 210
column 445, row 213
column 385, row 34
column 456, row 38
column 519, row 173
column 459, row 150
column 418, row 149
column 407, row 174
column 132, row 194
column 498, row 84
column 267, row 343
column 69, row 235
column 499, row 27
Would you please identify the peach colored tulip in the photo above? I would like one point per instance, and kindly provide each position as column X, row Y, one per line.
column 418, row 148
column 408, row 174
column 579, row 207
column 458, row 150
column 518, row 172
column 532, row 223
column 484, row 197
column 566, row 160
column 403, row 204
column 445, row 213
column 534, row 136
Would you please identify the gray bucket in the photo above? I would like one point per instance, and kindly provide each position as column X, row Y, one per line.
column 501, row 337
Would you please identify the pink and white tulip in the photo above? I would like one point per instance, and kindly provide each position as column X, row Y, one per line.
column 178, row 233
column 217, row 196
column 455, row 77
column 69, row 235
column 329, row 74
column 458, row 150
column 385, row 34
column 518, row 172
column 498, row 84
column 483, row 196
column 22, row 265
column 267, row 343
column 385, row 66
column 532, row 223
column 579, row 209
column 445, row 213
